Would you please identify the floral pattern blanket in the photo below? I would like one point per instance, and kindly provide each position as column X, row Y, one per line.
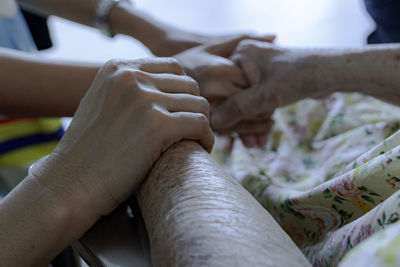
column 330, row 175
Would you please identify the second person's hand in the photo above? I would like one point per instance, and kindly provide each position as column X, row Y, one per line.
column 133, row 112
column 220, row 78
column 277, row 77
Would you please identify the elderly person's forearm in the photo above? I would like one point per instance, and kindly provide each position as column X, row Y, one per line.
column 282, row 76
column 198, row 215
column 373, row 70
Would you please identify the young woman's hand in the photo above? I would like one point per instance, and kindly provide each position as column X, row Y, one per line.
column 133, row 111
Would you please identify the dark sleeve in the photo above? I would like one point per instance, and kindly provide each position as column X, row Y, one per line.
column 39, row 29
column 386, row 14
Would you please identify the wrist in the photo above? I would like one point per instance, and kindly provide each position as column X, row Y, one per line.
column 341, row 71
column 58, row 214
column 317, row 76
column 38, row 224
column 64, row 185
column 297, row 74
column 124, row 19
column 162, row 39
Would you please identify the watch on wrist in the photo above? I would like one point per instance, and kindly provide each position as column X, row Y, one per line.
column 102, row 12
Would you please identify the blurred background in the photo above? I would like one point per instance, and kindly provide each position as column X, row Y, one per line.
column 302, row 23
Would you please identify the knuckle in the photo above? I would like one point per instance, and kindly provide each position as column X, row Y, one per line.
column 192, row 85
column 173, row 64
column 129, row 79
column 112, row 65
column 203, row 122
column 129, row 76
column 190, row 81
column 205, row 105
column 172, row 61
column 123, row 78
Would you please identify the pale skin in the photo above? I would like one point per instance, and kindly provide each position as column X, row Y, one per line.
column 281, row 76
column 133, row 111
column 64, row 84
column 154, row 98
column 164, row 40
column 57, row 196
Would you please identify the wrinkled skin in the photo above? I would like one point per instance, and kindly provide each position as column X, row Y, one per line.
column 281, row 76
column 277, row 77
column 219, row 78
column 192, row 209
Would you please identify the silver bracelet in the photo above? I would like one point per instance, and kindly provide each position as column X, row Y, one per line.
column 102, row 12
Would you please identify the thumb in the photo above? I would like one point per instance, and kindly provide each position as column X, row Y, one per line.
column 242, row 106
column 225, row 46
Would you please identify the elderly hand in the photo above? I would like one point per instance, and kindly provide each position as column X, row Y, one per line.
column 219, row 77
column 277, row 77
column 133, row 111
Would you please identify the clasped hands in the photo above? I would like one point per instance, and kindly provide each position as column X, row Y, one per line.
column 135, row 110
column 245, row 79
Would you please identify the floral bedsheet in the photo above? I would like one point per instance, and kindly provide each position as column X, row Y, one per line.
column 330, row 175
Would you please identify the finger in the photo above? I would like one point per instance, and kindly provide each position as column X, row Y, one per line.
column 248, row 140
column 174, row 84
column 160, row 65
column 250, row 127
column 225, row 46
column 250, row 70
column 186, row 103
column 226, row 70
column 217, row 91
column 192, row 126
column 242, row 106
column 224, row 80
column 267, row 38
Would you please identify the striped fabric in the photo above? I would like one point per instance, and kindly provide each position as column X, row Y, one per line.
column 23, row 141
